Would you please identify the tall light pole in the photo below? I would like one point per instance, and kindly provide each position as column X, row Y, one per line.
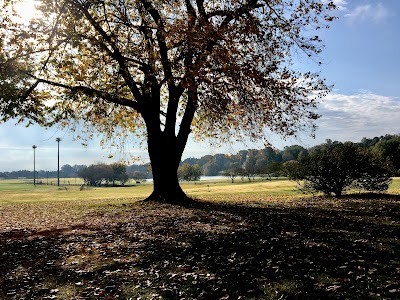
column 34, row 164
column 58, row 160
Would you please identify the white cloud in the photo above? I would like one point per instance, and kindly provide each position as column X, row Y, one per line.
column 352, row 117
column 367, row 12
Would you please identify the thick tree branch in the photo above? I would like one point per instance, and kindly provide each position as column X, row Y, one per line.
column 161, row 34
column 186, row 123
column 200, row 7
column 167, row 68
column 191, row 15
column 176, row 92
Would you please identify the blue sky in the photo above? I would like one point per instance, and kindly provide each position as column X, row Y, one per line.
column 361, row 60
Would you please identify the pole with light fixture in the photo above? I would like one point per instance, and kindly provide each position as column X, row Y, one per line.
column 58, row 161
column 34, row 164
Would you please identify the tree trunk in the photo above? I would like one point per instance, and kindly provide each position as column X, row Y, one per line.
column 165, row 157
column 166, row 186
column 165, row 147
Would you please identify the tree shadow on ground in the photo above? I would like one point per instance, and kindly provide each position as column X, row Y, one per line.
column 349, row 249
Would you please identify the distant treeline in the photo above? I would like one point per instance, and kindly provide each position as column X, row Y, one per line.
column 269, row 160
column 68, row 171
column 250, row 162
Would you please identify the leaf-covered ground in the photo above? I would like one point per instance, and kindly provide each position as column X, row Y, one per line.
column 312, row 248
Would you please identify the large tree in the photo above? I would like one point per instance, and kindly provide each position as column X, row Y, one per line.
column 165, row 68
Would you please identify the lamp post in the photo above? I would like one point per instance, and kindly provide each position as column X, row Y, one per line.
column 34, row 164
column 58, row 161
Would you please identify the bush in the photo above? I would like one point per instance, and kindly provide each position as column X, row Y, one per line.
column 335, row 167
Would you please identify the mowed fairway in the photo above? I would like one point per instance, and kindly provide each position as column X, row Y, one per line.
column 18, row 191
column 15, row 191
column 246, row 240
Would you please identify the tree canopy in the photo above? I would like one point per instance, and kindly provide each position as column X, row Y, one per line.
column 163, row 69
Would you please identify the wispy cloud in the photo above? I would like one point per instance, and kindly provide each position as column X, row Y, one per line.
column 368, row 12
column 352, row 117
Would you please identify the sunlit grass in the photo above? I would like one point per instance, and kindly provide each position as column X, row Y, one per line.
column 22, row 191
column 274, row 187
column 18, row 191
column 13, row 192
column 395, row 186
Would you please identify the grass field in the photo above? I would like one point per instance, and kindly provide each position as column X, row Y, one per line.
column 258, row 240
column 18, row 191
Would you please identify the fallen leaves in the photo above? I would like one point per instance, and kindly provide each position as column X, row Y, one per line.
column 225, row 251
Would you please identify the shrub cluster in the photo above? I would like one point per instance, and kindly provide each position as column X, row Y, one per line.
column 332, row 168
column 103, row 174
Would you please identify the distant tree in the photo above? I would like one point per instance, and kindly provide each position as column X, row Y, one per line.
column 303, row 154
column 165, row 69
column 334, row 167
column 119, row 173
column 250, row 168
column 210, row 168
column 138, row 176
column 274, row 169
column 204, row 159
column 221, row 161
column 141, row 170
column 22, row 173
column 375, row 174
column 190, row 161
column 77, row 168
column 85, row 175
column 104, row 173
column 261, row 165
column 196, row 172
column 234, row 170
column 188, row 172
column 97, row 174
column 243, row 156
column 292, row 152
column 294, row 169
column 389, row 149
column 365, row 142
column 67, row 171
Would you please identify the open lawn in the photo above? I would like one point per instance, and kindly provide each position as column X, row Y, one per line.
column 20, row 192
column 259, row 240
column 17, row 191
